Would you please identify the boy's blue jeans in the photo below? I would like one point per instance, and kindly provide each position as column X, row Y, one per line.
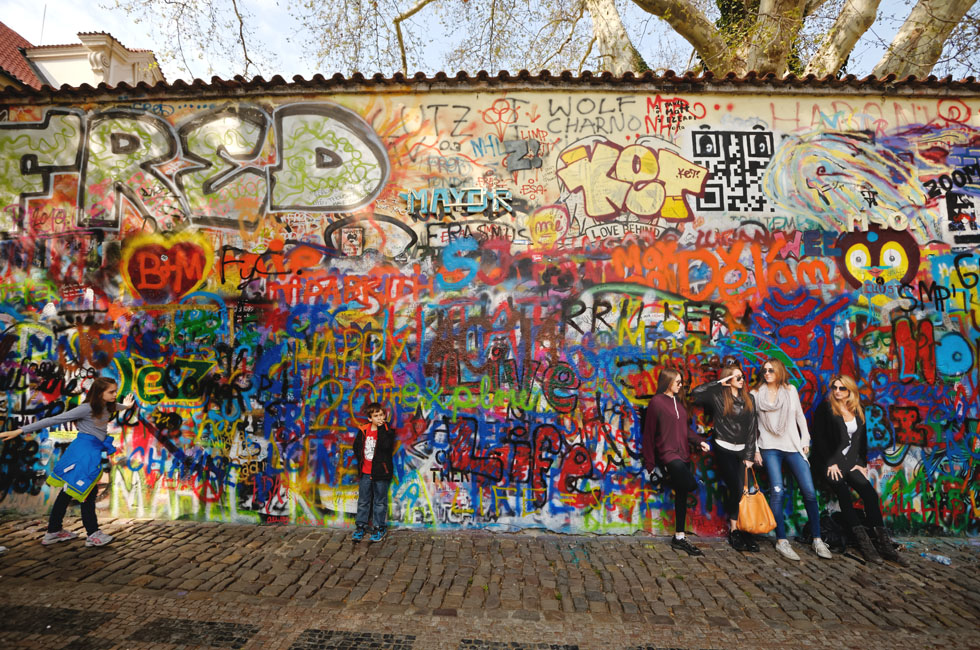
column 372, row 503
column 773, row 460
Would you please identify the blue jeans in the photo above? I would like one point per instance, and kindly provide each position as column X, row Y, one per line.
column 773, row 460
column 372, row 503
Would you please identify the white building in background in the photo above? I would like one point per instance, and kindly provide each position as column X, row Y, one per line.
column 98, row 58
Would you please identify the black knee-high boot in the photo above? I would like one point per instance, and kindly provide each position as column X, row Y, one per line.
column 865, row 546
column 886, row 547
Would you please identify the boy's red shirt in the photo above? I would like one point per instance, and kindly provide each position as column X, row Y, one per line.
column 370, row 442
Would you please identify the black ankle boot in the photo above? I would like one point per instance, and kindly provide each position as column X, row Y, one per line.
column 736, row 540
column 750, row 544
column 865, row 546
column 886, row 547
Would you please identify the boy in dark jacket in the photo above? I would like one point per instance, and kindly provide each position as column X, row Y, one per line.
column 373, row 447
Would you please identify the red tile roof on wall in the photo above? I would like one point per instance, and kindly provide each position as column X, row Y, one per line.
column 13, row 60
column 646, row 81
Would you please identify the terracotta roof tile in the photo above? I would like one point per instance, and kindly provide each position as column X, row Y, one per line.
column 688, row 82
column 13, row 60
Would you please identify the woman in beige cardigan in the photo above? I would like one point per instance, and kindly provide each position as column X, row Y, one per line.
column 784, row 437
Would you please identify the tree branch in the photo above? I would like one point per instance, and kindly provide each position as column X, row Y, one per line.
column 812, row 6
column 241, row 37
column 493, row 30
column 616, row 50
column 855, row 19
column 688, row 21
column 776, row 28
column 571, row 34
column 919, row 43
column 398, row 28
column 588, row 51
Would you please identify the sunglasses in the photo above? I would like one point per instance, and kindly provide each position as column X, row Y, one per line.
column 768, row 371
column 738, row 378
column 842, row 389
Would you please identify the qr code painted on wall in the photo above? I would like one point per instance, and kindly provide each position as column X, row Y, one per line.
column 736, row 161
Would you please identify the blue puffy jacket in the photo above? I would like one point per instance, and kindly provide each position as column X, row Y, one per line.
column 81, row 465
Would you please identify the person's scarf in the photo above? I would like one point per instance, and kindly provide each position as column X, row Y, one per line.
column 773, row 415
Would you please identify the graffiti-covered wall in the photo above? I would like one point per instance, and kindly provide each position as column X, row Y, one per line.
column 507, row 267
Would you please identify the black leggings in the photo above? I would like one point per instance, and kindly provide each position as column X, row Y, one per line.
column 61, row 506
column 731, row 471
column 872, row 506
column 683, row 482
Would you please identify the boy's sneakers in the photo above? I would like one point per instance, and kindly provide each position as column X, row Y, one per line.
column 378, row 534
column 358, row 535
column 98, row 538
column 60, row 536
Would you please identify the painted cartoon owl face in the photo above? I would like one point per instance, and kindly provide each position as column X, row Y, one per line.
column 879, row 255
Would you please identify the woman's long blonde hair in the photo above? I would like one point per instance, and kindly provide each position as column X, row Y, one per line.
column 852, row 402
column 728, row 402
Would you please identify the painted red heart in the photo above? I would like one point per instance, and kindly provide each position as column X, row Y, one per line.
column 165, row 271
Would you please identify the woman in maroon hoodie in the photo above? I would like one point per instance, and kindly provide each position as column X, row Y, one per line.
column 667, row 436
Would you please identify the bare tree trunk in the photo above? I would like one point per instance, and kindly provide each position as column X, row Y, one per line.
column 855, row 19
column 768, row 46
column 919, row 42
column 616, row 50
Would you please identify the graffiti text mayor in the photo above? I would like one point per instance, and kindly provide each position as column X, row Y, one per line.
column 326, row 158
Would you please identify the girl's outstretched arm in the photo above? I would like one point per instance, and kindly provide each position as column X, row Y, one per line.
column 71, row 415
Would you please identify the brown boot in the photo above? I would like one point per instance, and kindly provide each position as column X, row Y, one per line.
column 886, row 547
column 865, row 546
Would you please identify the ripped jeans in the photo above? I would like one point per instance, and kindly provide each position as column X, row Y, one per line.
column 773, row 460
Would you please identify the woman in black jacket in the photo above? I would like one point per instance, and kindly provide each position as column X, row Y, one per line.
column 840, row 451
column 667, row 440
column 736, row 426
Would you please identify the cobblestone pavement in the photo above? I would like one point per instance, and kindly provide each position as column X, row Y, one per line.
column 165, row 585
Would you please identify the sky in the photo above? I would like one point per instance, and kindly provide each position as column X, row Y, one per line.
column 63, row 19
column 55, row 22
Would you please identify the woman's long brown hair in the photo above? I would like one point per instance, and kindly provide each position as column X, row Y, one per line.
column 95, row 393
column 728, row 408
column 666, row 378
column 782, row 375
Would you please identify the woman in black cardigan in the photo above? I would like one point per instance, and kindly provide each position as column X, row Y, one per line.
column 840, row 452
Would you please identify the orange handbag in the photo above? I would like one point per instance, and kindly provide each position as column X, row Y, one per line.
column 754, row 514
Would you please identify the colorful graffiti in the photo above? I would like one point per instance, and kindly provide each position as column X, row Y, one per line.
column 506, row 273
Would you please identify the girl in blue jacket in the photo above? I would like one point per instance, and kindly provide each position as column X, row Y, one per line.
column 80, row 467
